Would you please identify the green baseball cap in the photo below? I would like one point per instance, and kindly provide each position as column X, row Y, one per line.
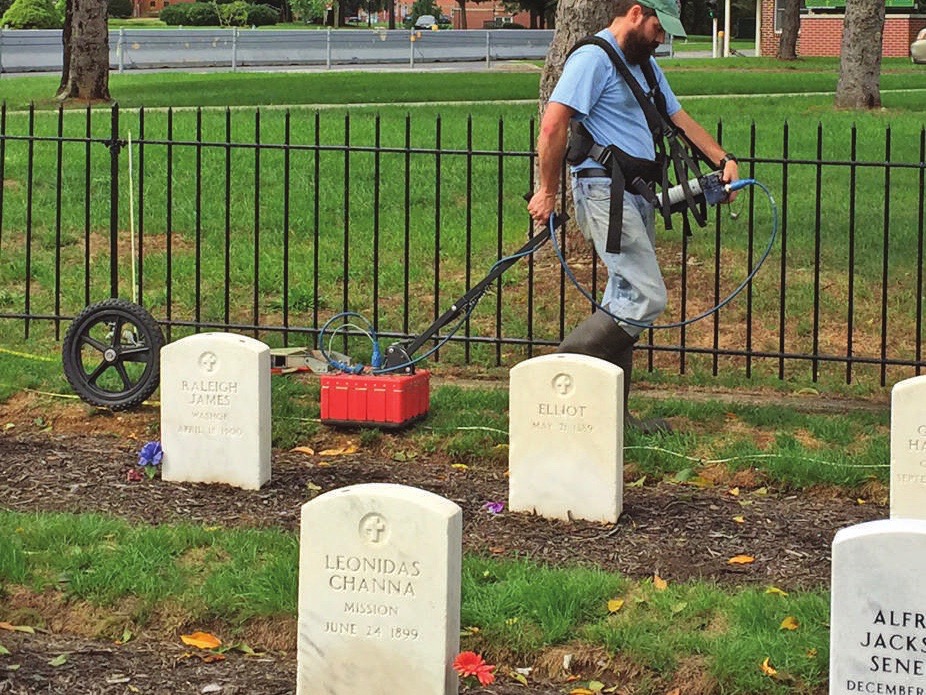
column 668, row 13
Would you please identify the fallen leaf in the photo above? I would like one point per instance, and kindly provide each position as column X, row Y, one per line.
column 659, row 583
column 861, row 501
column 739, row 519
column 700, row 482
column 17, row 628
column 735, row 491
column 209, row 657
column 684, row 475
column 615, row 604
column 201, row 640
column 340, row 451
column 595, row 686
column 59, row 660
column 741, row 560
column 637, row 483
column 776, row 590
column 789, row 623
column 811, row 653
column 519, row 677
column 679, row 607
column 581, row 691
column 459, row 466
column 246, row 649
column 126, row 636
column 4, row 651
column 402, row 455
column 307, row 450
column 13, row 667
column 767, row 669
column 675, row 691
column 760, row 491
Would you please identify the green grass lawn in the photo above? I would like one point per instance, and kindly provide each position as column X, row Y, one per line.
column 797, row 451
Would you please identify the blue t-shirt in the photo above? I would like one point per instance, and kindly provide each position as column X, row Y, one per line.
column 592, row 87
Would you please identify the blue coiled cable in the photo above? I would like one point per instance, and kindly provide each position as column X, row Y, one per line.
column 376, row 357
column 735, row 186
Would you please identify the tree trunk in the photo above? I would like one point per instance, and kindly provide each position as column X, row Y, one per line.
column 859, row 85
column 790, row 24
column 462, row 4
column 85, row 39
column 575, row 19
column 391, row 9
column 66, row 44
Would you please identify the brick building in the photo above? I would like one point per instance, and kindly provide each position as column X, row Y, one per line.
column 821, row 28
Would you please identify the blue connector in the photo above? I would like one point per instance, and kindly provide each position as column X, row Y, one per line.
column 739, row 185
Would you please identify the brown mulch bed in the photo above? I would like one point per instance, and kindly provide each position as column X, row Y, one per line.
column 677, row 531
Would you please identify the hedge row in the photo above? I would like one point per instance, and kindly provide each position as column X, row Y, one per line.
column 200, row 14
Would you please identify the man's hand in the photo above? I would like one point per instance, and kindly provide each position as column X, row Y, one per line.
column 541, row 206
column 731, row 173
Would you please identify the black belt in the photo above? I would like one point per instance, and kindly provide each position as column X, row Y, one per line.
column 618, row 185
column 593, row 173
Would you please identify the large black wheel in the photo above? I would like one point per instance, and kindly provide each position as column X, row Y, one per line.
column 112, row 354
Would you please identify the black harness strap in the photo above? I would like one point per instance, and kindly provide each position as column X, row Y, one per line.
column 663, row 131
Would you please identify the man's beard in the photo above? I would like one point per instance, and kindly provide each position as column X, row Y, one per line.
column 636, row 49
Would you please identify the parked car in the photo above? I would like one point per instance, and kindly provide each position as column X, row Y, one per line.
column 918, row 48
column 426, row 21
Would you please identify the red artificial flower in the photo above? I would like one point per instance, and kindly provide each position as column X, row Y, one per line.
column 471, row 664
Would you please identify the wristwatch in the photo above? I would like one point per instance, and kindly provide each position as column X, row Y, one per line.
column 728, row 157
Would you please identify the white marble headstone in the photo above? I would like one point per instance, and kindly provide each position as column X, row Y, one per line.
column 908, row 449
column 566, row 438
column 878, row 611
column 379, row 592
column 215, row 410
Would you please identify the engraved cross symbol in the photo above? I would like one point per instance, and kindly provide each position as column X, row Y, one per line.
column 207, row 361
column 374, row 528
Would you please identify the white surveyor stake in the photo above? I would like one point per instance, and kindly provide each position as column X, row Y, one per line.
column 379, row 592
column 215, row 410
column 878, row 609
column 566, row 438
column 908, row 450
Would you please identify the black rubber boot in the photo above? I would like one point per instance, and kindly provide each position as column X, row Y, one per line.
column 597, row 336
column 655, row 425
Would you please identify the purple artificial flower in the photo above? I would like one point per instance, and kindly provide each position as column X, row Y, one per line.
column 494, row 507
column 150, row 454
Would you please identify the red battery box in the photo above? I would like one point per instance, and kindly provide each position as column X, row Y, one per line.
column 387, row 401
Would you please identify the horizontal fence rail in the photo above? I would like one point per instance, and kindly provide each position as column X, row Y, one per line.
column 269, row 222
column 40, row 50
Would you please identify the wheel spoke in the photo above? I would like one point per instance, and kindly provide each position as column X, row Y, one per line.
column 135, row 354
column 97, row 373
column 86, row 339
column 127, row 382
column 117, row 331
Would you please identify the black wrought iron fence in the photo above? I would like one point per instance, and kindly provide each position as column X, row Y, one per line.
column 270, row 221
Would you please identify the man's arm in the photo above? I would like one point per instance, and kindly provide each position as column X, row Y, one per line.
column 701, row 139
column 551, row 149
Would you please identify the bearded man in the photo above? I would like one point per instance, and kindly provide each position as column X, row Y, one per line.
column 595, row 96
